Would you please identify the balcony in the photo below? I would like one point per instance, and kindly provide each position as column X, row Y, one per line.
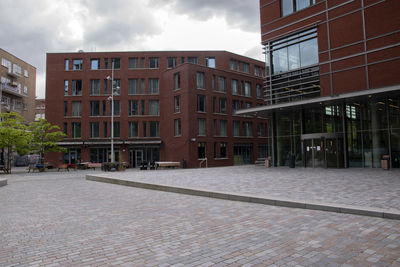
column 10, row 89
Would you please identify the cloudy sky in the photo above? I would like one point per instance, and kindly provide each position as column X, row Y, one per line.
column 31, row 28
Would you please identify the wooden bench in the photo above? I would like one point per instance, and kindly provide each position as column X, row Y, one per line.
column 63, row 167
column 93, row 165
column 168, row 164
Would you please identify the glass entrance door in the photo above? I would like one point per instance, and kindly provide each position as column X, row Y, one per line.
column 138, row 158
column 314, row 152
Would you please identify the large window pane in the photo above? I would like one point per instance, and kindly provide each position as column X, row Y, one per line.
column 280, row 60
column 154, row 129
column 133, row 87
column 153, row 86
column 287, row 7
column 294, row 56
column 200, row 80
column 309, row 52
column 76, row 109
column 133, row 108
column 201, row 127
column 154, row 108
column 133, row 130
column 94, row 87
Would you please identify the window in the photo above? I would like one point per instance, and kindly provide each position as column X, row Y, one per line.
column 222, row 105
column 142, row 63
column 104, row 108
column 221, row 84
column 26, row 73
column 94, row 130
column 248, row 104
column 248, row 127
column 171, row 62
column 201, row 129
column 200, row 80
column 290, row 6
column 65, row 128
column 293, row 52
column 66, row 64
column 260, row 129
column 117, row 86
column 65, row 87
column 154, row 129
column 153, row 63
column 177, row 104
column 94, row 108
column 77, row 64
column 117, row 62
column 116, row 107
column 201, row 150
column 95, row 64
column 223, row 128
column 133, row 86
column 222, row 150
column 133, row 129
column 76, row 109
column 144, row 129
column 192, row 60
column 177, row 127
column 177, row 81
column 235, row 105
column 76, row 87
column 117, row 129
column 247, row 89
column 153, row 86
column 214, row 104
column 105, row 88
column 201, row 103
column 133, row 63
column 133, row 107
column 236, row 128
column 106, row 63
column 215, row 127
column 105, row 129
column 182, row 60
column 213, row 82
column 154, row 108
column 65, row 108
column 142, row 86
column 210, row 62
column 246, row 67
column 232, row 64
column 259, row 90
column 94, row 87
column 235, row 87
column 142, row 107
column 76, row 130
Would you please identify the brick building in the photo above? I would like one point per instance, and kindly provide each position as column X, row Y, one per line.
column 17, row 86
column 332, row 86
column 169, row 106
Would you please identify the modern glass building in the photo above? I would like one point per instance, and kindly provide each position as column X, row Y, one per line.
column 332, row 87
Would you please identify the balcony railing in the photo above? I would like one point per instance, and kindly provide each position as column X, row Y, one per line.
column 10, row 89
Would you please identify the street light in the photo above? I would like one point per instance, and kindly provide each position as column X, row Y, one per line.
column 111, row 98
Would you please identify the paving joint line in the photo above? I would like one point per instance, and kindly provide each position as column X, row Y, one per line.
column 282, row 202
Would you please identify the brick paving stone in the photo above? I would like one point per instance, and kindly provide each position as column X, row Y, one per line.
column 63, row 220
column 359, row 187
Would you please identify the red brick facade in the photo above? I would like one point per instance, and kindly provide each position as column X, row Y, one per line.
column 157, row 138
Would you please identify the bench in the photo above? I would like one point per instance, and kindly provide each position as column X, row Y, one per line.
column 38, row 167
column 93, row 165
column 167, row 164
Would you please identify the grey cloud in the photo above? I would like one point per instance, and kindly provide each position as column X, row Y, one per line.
column 238, row 13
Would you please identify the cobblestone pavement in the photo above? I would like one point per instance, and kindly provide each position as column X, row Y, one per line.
column 60, row 219
column 358, row 187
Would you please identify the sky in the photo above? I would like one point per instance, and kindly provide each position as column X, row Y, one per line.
column 31, row 28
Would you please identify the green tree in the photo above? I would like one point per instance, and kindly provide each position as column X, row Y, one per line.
column 44, row 138
column 13, row 137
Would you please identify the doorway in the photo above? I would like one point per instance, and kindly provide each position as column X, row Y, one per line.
column 323, row 151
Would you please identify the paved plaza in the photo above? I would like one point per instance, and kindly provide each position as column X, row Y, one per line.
column 61, row 219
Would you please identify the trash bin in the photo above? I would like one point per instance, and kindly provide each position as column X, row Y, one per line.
column 385, row 162
column 292, row 161
column 184, row 164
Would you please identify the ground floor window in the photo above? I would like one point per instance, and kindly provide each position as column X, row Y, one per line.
column 243, row 154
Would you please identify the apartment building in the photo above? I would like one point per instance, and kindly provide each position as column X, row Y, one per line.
column 332, row 86
column 18, row 86
column 170, row 106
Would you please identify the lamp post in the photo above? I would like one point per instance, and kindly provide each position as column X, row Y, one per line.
column 111, row 98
